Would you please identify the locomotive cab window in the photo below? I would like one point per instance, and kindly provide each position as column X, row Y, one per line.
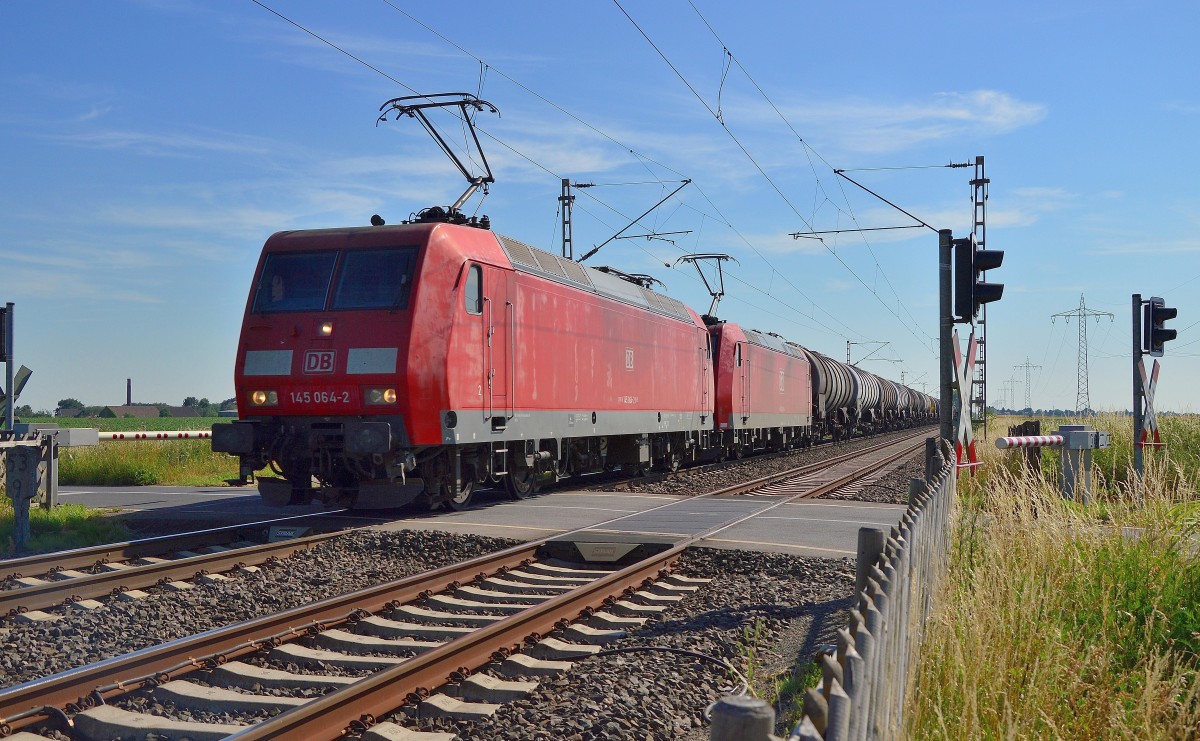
column 294, row 281
column 375, row 279
column 473, row 294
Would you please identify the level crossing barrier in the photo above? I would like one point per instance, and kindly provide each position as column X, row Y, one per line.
column 1077, row 443
column 49, row 437
column 1030, row 441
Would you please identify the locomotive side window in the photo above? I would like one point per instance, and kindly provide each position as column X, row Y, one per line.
column 474, row 290
column 375, row 279
column 294, row 281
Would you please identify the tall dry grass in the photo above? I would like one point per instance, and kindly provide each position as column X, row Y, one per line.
column 1063, row 621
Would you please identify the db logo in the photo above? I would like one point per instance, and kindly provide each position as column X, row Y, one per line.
column 318, row 361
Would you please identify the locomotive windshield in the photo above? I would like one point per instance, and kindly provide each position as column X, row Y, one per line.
column 366, row 279
column 375, row 279
column 294, row 281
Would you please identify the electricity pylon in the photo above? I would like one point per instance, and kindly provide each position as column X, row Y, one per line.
column 1027, row 366
column 1083, row 404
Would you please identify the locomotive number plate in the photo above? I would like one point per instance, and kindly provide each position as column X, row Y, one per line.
column 319, row 397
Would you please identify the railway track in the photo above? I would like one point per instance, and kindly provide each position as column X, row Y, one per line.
column 75, row 579
column 443, row 642
column 415, row 635
column 825, row 477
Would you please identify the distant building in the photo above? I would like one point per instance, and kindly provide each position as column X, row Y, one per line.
column 130, row 411
column 147, row 412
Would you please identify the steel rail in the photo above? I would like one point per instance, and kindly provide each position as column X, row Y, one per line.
column 55, row 593
column 808, row 468
column 693, row 470
column 78, row 558
column 22, row 704
column 332, row 715
column 862, row 472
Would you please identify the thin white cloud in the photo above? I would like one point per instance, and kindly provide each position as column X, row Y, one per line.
column 1179, row 106
column 180, row 144
column 1156, row 248
column 874, row 127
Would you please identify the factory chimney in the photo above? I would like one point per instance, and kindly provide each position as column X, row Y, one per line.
column 128, row 392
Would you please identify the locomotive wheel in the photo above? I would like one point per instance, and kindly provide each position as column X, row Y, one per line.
column 462, row 500
column 520, row 483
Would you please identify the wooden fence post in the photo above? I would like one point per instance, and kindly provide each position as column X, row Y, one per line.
column 742, row 718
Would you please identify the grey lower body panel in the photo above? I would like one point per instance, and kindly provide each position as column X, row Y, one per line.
column 761, row 421
column 474, row 427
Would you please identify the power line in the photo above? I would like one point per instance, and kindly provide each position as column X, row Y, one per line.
column 809, row 153
column 763, row 172
column 641, row 158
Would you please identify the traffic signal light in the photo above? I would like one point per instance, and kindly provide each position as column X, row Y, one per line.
column 1154, row 334
column 969, row 291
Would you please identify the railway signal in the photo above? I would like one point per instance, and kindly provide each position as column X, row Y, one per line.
column 970, row 292
column 1149, row 336
column 4, row 334
column 1155, row 313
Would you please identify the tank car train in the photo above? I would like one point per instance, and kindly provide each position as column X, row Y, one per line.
column 388, row 364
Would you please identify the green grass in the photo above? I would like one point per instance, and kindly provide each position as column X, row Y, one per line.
column 1053, row 621
column 66, row 526
column 118, row 463
column 153, row 424
column 144, row 462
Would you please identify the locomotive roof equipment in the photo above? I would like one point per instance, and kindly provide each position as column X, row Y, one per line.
column 402, row 107
column 717, row 292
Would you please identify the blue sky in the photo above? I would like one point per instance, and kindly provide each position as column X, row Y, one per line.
column 149, row 147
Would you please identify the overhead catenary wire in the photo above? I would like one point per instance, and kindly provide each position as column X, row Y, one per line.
column 639, row 157
column 775, row 186
column 810, row 152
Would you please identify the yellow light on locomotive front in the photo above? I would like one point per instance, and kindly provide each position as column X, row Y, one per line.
column 381, row 396
column 264, row 398
column 326, row 328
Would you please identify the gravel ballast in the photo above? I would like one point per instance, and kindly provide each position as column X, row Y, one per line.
column 359, row 559
column 889, row 486
column 773, row 608
column 791, row 604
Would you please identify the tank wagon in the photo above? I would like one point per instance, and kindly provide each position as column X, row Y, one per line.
column 383, row 365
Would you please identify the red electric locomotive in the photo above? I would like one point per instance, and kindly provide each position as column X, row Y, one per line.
column 388, row 363
column 764, row 391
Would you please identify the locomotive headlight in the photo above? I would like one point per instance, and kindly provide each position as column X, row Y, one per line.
column 264, row 398
column 381, row 396
column 326, row 329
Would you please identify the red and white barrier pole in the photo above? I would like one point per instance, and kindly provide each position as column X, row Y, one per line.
column 142, row 435
column 1030, row 441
